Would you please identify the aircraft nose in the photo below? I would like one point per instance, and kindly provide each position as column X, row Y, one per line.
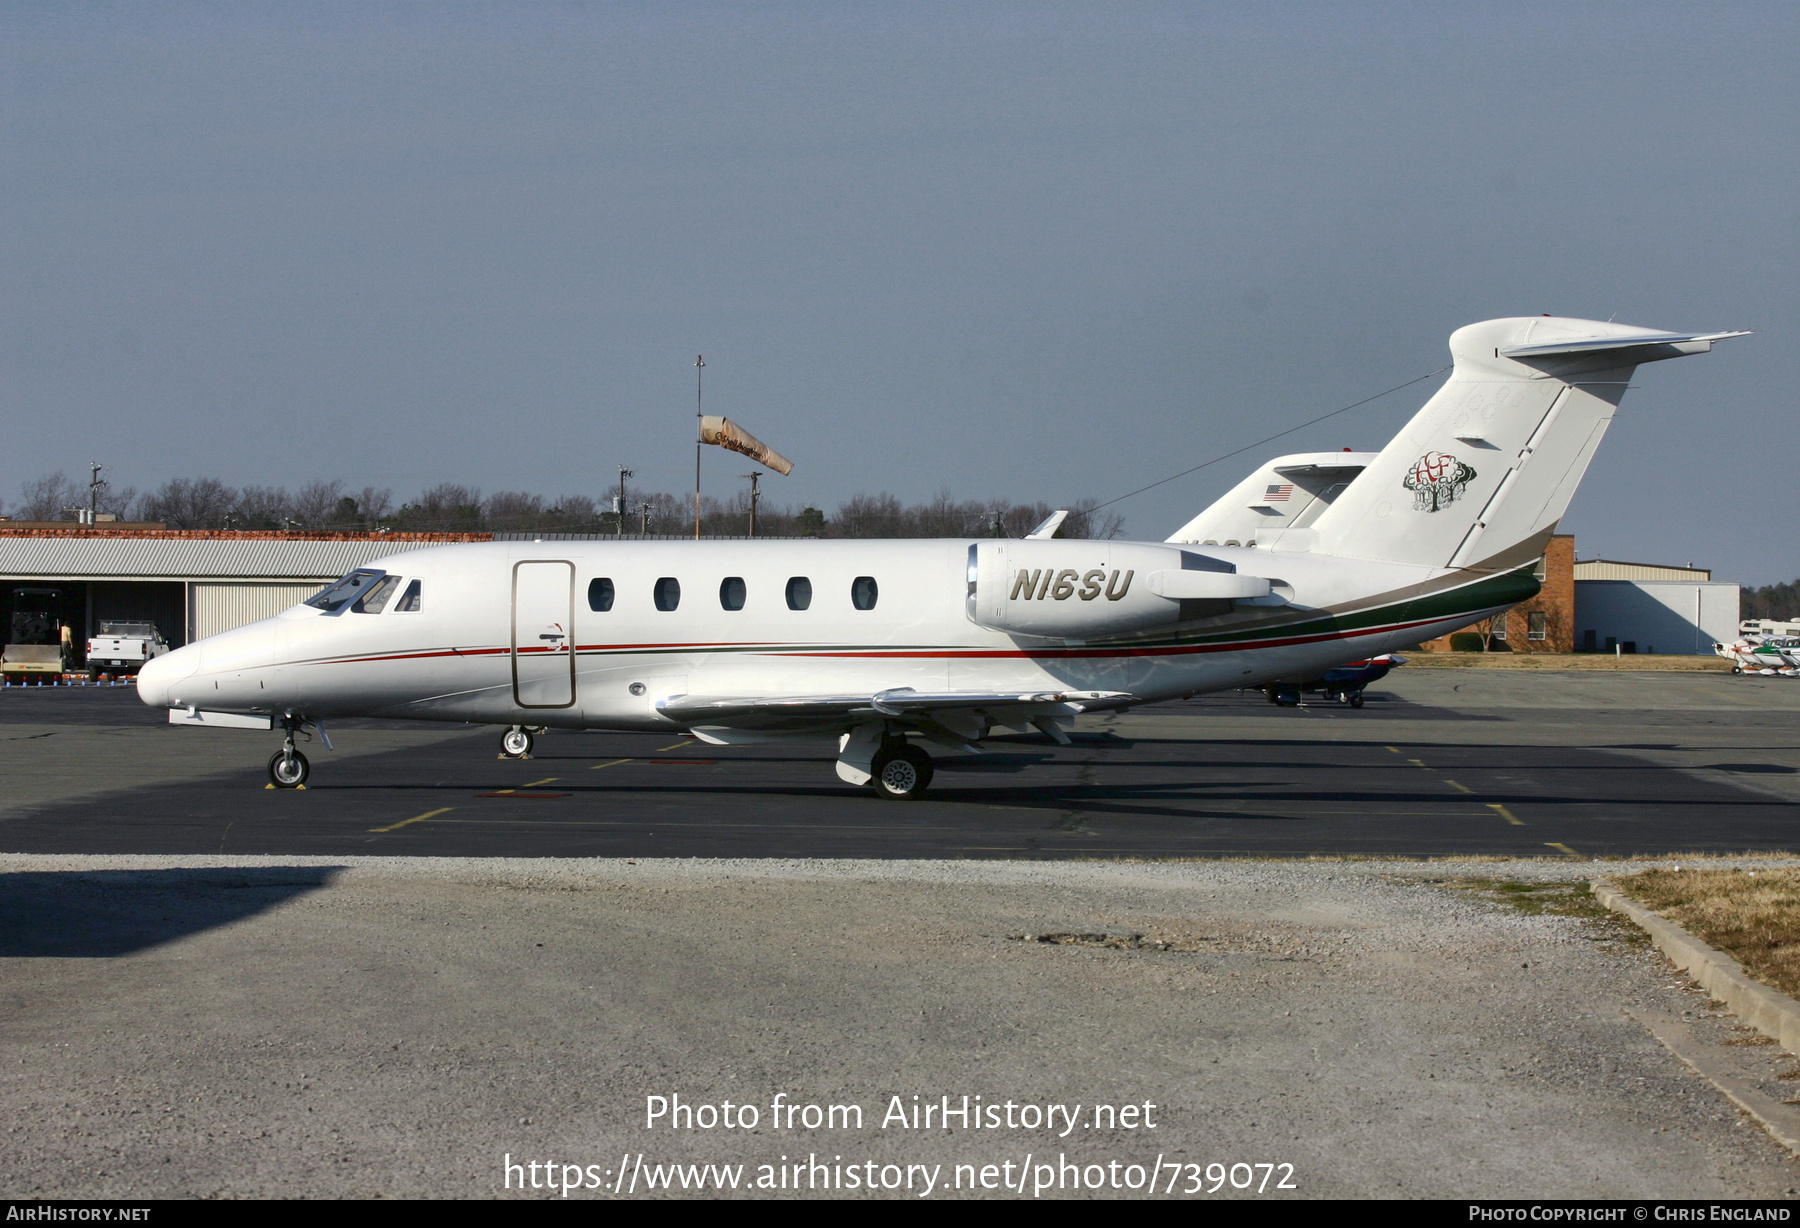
column 157, row 679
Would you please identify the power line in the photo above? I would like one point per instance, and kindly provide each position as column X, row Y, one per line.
column 1259, row 443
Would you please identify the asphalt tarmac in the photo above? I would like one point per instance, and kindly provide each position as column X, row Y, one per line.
column 1439, row 763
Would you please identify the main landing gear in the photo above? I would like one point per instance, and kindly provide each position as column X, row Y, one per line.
column 516, row 742
column 900, row 771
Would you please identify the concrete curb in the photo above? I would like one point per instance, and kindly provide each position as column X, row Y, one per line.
column 1773, row 1014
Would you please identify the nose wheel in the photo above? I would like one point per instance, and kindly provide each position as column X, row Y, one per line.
column 288, row 769
column 516, row 743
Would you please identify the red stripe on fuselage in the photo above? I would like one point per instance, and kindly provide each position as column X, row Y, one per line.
column 1171, row 650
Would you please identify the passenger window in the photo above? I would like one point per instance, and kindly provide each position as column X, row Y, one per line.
column 409, row 600
column 375, row 600
column 799, row 593
column 668, row 593
column 731, row 592
column 863, row 592
column 600, row 594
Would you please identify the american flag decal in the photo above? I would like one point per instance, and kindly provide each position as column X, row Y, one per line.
column 1278, row 494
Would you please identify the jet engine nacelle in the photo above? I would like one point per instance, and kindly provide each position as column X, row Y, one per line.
column 1072, row 589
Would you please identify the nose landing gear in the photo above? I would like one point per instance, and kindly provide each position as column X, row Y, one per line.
column 288, row 767
column 516, row 743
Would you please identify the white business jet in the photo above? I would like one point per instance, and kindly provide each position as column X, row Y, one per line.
column 1312, row 562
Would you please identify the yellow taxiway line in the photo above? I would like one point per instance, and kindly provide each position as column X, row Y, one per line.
column 1506, row 814
column 614, row 763
column 417, row 818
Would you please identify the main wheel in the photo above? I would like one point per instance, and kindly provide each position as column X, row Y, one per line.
column 1356, row 701
column 288, row 771
column 515, row 743
column 901, row 772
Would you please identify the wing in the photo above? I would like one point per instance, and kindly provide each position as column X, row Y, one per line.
column 797, row 713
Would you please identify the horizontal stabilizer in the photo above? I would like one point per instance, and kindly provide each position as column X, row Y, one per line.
column 1686, row 343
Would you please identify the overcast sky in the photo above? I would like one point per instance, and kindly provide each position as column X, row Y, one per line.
column 1041, row 251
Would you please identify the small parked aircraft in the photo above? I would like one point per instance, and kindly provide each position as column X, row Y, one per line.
column 1767, row 655
column 1313, row 562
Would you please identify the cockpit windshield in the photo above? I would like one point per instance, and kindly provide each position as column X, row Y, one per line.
column 376, row 599
column 336, row 598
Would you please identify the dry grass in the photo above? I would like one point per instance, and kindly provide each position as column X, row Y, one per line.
column 1754, row 915
column 1554, row 898
column 1596, row 661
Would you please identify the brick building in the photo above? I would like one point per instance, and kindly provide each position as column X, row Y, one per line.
column 1546, row 623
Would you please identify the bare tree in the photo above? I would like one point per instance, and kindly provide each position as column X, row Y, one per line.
column 262, row 507
column 870, row 516
column 374, row 504
column 50, row 497
column 189, row 503
column 1086, row 520
column 446, row 507
column 316, row 503
column 513, row 511
column 115, row 500
column 573, row 514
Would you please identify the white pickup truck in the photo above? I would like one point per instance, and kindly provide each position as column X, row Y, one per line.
column 122, row 647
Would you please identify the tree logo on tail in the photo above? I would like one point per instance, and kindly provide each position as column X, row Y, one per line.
column 1437, row 480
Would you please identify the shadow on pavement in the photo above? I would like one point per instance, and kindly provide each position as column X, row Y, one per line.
column 97, row 914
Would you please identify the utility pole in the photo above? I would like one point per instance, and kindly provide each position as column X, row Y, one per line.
column 753, row 475
column 644, row 511
column 94, row 485
column 699, row 371
column 620, row 506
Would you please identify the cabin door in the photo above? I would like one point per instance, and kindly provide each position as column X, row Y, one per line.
column 543, row 634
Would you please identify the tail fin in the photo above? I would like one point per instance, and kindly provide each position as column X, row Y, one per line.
column 1285, row 495
column 1481, row 475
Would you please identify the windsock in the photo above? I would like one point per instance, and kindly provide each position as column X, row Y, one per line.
column 728, row 434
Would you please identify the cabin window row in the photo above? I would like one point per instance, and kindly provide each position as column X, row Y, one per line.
column 733, row 593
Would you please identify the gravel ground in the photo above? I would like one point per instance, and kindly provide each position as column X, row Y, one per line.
column 246, row 1027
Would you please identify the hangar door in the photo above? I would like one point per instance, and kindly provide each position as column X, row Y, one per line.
column 543, row 645
column 223, row 606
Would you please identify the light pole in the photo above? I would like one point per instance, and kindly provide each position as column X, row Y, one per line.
column 94, row 485
column 753, row 475
column 620, row 506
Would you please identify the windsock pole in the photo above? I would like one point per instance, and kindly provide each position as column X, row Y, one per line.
column 699, row 369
